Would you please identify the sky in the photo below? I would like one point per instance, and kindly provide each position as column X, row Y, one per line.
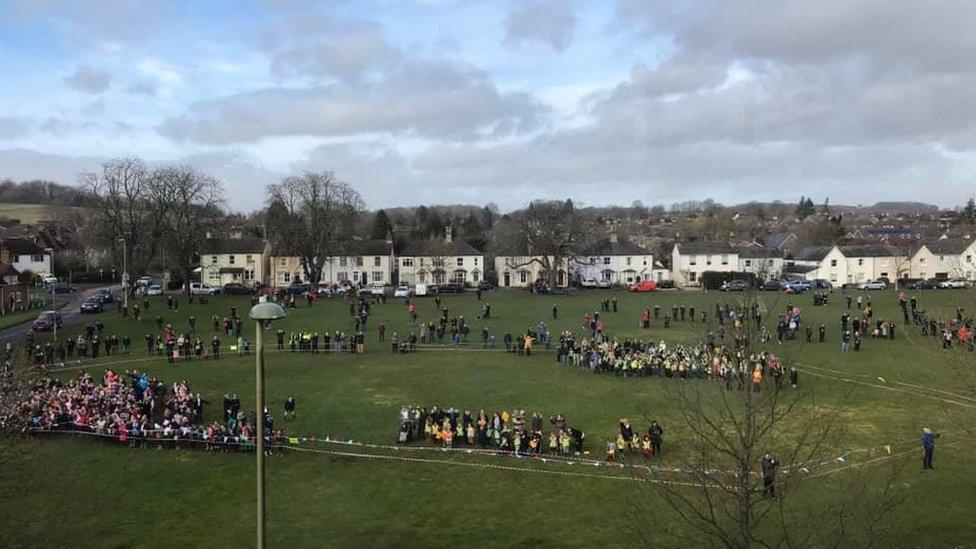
column 468, row 101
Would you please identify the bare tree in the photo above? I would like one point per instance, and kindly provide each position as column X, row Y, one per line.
column 196, row 201
column 131, row 205
column 550, row 232
column 314, row 216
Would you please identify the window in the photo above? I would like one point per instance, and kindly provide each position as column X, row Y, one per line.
column 606, row 260
column 377, row 261
column 459, row 276
column 748, row 263
column 833, row 262
column 342, row 276
column 460, row 262
column 407, row 262
column 523, row 277
column 693, row 262
column 343, row 261
column 692, row 276
column 708, row 260
column 286, row 277
column 230, row 259
column 213, row 259
column 628, row 261
column 969, row 259
column 248, row 274
column 645, row 261
column 422, row 277
column 377, row 276
column 860, row 262
column 884, row 275
column 359, row 261
column 474, row 277
column 249, row 258
column 833, row 277
column 37, row 258
column 283, row 261
column 476, row 261
column 725, row 260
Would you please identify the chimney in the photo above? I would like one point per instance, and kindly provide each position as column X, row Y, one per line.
column 448, row 234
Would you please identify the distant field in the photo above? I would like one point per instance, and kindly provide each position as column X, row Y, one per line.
column 31, row 213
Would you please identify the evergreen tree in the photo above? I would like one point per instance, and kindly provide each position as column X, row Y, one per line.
column 381, row 226
column 805, row 208
column 969, row 212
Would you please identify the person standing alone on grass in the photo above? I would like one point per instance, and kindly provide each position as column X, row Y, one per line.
column 290, row 408
column 928, row 447
column 769, row 465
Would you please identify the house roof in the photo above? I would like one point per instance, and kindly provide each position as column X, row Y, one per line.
column 21, row 246
column 888, row 232
column 946, row 246
column 7, row 269
column 777, row 239
column 438, row 248
column 872, row 250
column 798, row 269
column 699, row 248
column 760, row 251
column 812, row 253
column 608, row 246
column 232, row 246
column 371, row 247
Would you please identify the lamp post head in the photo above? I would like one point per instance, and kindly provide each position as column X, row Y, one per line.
column 266, row 312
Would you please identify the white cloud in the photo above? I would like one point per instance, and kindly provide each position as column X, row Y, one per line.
column 89, row 80
column 550, row 22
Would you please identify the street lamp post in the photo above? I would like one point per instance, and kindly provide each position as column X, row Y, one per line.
column 263, row 312
column 125, row 276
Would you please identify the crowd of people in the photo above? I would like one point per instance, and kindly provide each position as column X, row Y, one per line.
column 504, row 430
column 137, row 408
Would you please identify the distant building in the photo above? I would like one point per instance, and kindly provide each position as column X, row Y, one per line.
column 692, row 259
column 24, row 254
column 233, row 260
column 850, row 264
column 944, row 258
column 440, row 261
column 784, row 242
column 615, row 262
column 516, row 267
column 764, row 262
column 885, row 234
column 366, row 262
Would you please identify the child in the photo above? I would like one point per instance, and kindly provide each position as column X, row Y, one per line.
column 611, row 452
column 553, row 443
column 621, row 445
column 471, row 434
column 448, row 436
column 645, row 445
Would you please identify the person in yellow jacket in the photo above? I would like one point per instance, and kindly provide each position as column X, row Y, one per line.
column 528, row 344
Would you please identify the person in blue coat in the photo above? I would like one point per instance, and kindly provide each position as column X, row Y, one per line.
column 928, row 447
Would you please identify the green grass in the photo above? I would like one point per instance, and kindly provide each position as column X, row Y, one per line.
column 31, row 213
column 64, row 492
column 13, row 319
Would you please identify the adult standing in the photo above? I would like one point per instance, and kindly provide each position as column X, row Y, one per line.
column 769, row 466
column 656, row 434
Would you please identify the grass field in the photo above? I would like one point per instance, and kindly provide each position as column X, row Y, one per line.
column 59, row 491
column 30, row 213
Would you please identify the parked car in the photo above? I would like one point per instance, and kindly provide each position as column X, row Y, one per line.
column 154, row 289
column 953, row 284
column 797, row 286
column 872, row 285
column 46, row 321
column 60, row 288
column 298, row 288
column 421, row 289
column 402, row 291
column 734, row 286
column 330, row 290
column 773, row 286
column 91, row 305
column 144, row 280
column 201, row 288
column 589, row 283
column 450, row 288
column 235, row 288
column 104, row 295
column 485, row 285
column 822, row 284
column 377, row 288
column 48, row 278
column 604, row 284
column 643, row 286
column 662, row 284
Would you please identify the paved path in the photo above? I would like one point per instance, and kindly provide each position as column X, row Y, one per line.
column 70, row 314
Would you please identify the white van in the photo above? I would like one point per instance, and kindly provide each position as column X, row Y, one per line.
column 420, row 289
column 199, row 288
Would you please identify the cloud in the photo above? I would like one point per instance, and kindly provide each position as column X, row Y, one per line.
column 101, row 21
column 325, row 47
column 13, row 127
column 550, row 22
column 143, row 87
column 425, row 98
column 89, row 80
column 159, row 71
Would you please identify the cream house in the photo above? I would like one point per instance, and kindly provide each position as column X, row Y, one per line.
column 764, row 262
column 852, row 264
column 233, row 260
column 692, row 259
column 438, row 262
column 366, row 262
column 944, row 258
column 615, row 262
column 523, row 269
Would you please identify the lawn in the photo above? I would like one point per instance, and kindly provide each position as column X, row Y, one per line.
column 59, row 491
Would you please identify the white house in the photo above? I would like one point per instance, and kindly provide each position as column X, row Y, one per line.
column 766, row 263
column 692, row 259
column 851, row 264
column 522, row 269
column 366, row 262
column 615, row 262
column 944, row 258
column 25, row 255
column 440, row 261
column 233, row 260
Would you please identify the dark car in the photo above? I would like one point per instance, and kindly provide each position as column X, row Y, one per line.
column 930, row 284
column 46, row 321
column 734, row 286
column 299, row 288
column 104, row 295
column 451, row 288
column 234, row 288
column 773, row 286
column 822, row 284
column 60, row 288
column 485, row 285
column 91, row 305
column 665, row 284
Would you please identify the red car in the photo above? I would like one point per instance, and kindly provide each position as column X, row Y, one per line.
column 644, row 286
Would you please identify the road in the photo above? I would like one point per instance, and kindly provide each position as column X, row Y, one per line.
column 70, row 314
